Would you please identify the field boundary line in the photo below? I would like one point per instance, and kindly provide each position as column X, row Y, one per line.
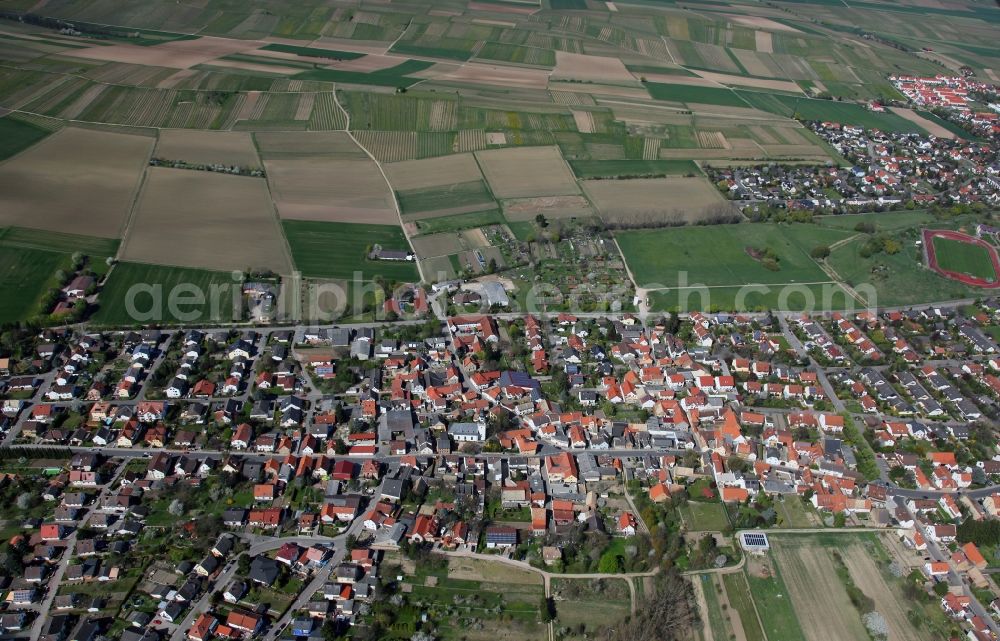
column 818, row 282
column 385, row 178
column 134, row 204
column 274, row 210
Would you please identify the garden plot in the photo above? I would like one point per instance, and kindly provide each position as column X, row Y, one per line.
column 524, row 209
column 526, row 172
column 207, row 147
column 76, row 181
column 205, row 220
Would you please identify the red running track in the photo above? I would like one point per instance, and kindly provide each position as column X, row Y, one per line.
column 966, row 279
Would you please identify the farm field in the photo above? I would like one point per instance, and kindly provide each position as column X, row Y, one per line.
column 645, row 200
column 964, row 258
column 148, row 288
column 334, row 187
column 585, row 169
column 76, row 181
column 337, row 250
column 207, row 147
column 182, row 214
column 520, row 173
column 16, row 136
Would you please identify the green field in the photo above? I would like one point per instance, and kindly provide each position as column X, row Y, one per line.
column 695, row 94
column 797, row 298
column 391, row 77
column 585, row 169
column 151, row 298
column 16, row 136
column 964, row 258
column 427, row 199
column 313, row 52
column 338, row 250
column 25, row 275
column 887, row 221
column 717, row 256
column 846, row 113
column 460, row 221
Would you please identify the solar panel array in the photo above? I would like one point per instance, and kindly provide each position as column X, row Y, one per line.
column 755, row 539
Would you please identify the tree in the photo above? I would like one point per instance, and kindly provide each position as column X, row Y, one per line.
column 821, row 252
column 176, row 507
column 540, row 219
column 941, row 588
column 548, row 609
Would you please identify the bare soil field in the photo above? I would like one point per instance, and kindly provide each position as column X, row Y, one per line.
column 675, row 199
column 888, row 601
column 584, row 121
column 208, row 147
column 494, row 75
column 761, row 22
column 177, row 54
column 744, row 81
column 78, row 181
column 246, row 65
column 527, row 171
column 931, row 127
column 331, row 189
column 522, row 209
column 578, row 66
column 433, row 172
column 818, row 596
column 205, row 220
column 764, row 41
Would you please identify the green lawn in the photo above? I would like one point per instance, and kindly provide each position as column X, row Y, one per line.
column 701, row 517
column 16, row 136
column 964, row 258
column 886, row 221
column 717, row 255
column 338, row 250
column 25, row 275
column 896, row 279
column 151, row 287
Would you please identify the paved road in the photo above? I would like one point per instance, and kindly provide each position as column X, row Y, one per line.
column 319, row 578
column 54, row 582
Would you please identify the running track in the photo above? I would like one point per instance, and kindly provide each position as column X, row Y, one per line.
column 967, row 279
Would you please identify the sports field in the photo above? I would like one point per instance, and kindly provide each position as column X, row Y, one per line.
column 964, row 258
column 338, row 250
